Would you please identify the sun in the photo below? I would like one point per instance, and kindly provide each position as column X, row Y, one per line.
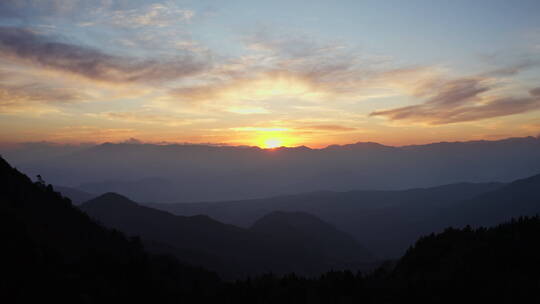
column 272, row 143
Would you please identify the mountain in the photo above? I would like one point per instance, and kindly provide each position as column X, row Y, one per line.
column 387, row 222
column 76, row 196
column 51, row 251
column 191, row 173
column 146, row 187
column 519, row 198
column 231, row 250
column 313, row 234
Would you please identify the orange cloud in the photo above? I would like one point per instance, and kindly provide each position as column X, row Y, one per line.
column 460, row 100
column 34, row 98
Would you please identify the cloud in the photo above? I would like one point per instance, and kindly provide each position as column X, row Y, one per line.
column 512, row 70
column 248, row 110
column 535, row 92
column 299, row 69
column 457, row 92
column 337, row 128
column 138, row 117
column 288, row 45
column 157, row 15
column 31, row 9
column 260, row 129
column 145, row 117
column 461, row 101
column 265, row 85
column 35, row 98
column 505, row 66
column 322, row 128
column 21, row 9
column 26, row 46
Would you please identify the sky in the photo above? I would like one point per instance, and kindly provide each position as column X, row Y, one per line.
column 268, row 73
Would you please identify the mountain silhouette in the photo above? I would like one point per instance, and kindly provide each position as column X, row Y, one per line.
column 239, row 251
column 190, row 173
column 312, row 234
column 495, row 265
column 52, row 251
column 519, row 198
column 387, row 222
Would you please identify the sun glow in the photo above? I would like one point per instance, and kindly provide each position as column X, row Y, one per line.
column 270, row 143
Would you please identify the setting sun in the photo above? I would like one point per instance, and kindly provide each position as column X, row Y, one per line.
column 272, row 143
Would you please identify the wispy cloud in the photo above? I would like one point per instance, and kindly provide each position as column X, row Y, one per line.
column 260, row 129
column 331, row 128
column 248, row 110
column 34, row 98
column 295, row 128
column 297, row 68
column 28, row 47
column 462, row 100
column 153, row 15
column 142, row 117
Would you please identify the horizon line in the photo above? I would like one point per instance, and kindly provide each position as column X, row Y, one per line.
column 134, row 142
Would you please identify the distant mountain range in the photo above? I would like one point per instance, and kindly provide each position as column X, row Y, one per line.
column 388, row 222
column 519, row 198
column 188, row 173
column 279, row 242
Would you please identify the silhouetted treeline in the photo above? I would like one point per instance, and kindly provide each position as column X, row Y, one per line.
column 51, row 251
column 500, row 264
column 495, row 265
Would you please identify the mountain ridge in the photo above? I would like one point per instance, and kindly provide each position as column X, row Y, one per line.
column 367, row 215
column 176, row 173
column 249, row 250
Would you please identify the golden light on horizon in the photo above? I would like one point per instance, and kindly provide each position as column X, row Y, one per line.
column 272, row 143
column 269, row 137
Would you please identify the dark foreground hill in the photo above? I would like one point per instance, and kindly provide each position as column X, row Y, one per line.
column 312, row 247
column 51, row 251
column 500, row 264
